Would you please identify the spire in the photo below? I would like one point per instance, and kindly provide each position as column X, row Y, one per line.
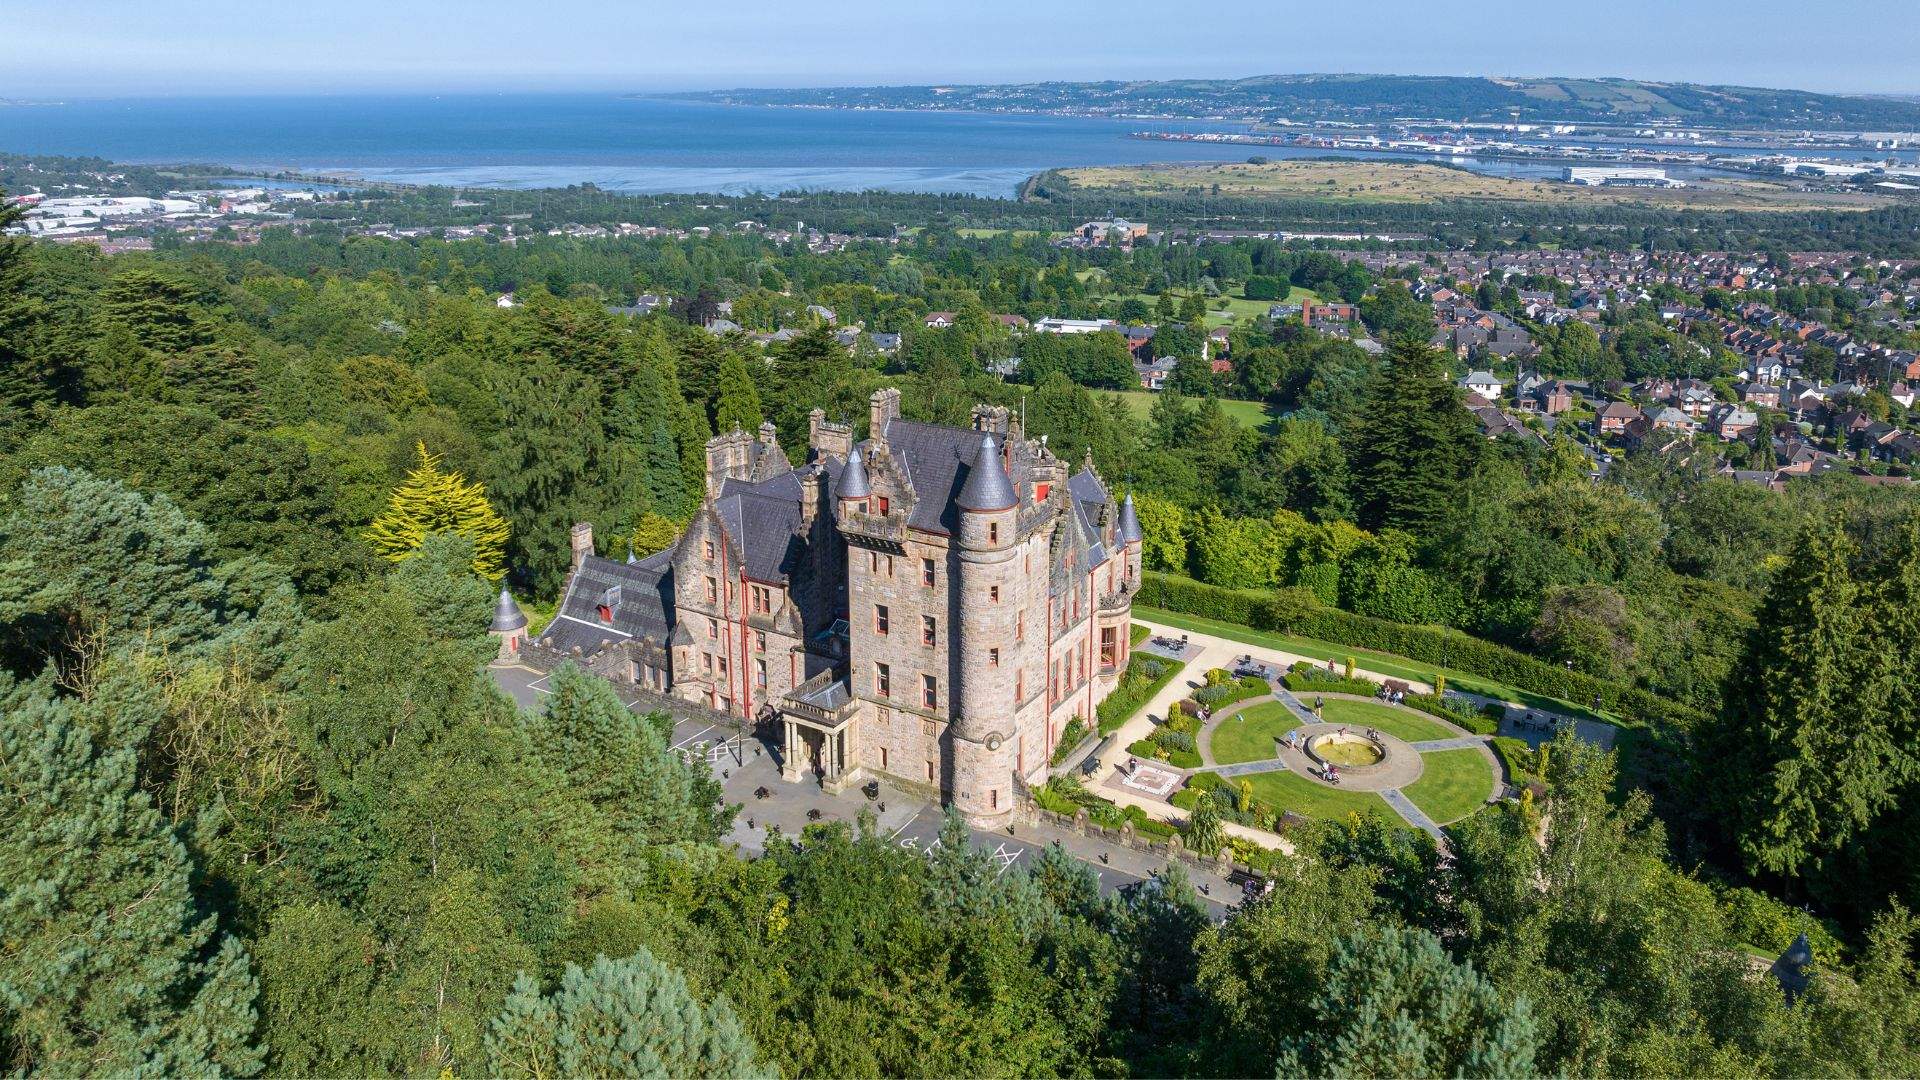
column 1129, row 521
column 853, row 478
column 506, row 615
column 987, row 488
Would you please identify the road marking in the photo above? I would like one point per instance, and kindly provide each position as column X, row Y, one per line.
column 910, row 821
column 692, row 737
column 1006, row 858
column 537, row 688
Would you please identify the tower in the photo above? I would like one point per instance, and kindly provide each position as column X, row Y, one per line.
column 987, row 599
column 1130, row 538
column 509, row 625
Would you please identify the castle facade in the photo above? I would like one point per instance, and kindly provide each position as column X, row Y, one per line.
column 934, row 604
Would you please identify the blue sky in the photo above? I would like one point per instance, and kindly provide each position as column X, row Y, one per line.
column 73, row 48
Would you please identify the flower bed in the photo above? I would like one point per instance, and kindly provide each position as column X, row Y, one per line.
column 1145, row 676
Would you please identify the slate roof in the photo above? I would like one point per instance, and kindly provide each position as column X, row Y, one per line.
column 938, row 461
column 507, row 615
column 1129, row 521
column 1790, row 971
column 853, row 479
column 639, row 594
column 987, row 486
column 765, row 525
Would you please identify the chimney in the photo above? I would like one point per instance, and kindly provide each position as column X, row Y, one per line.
column 882, row 407
column 582, row 543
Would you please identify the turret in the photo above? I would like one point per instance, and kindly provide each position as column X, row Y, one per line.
column 987, row 609
column 1130, row 536
column 854, row 485
column 509, row 625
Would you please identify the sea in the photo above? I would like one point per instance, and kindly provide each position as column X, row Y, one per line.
column 620, row 142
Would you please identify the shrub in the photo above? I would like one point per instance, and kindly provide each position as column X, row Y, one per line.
column 1298, row 611
column 1205, row 781
column 1171, row 739
column 1181, row 720
column 1229, row 693
column 1758, row 920
column 1144, row 677
column 1147, row 748
column 1433, row 704
column 1517, row 756
column 1183, row 759
column 1186, row 798
column 1217, row 676
column 1070, row 738
column 1312, row 679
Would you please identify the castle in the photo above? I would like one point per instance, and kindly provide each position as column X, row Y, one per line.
column 935, row 604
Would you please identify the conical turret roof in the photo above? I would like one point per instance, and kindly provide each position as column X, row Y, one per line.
column 507, row 615
column 987, row 488
column 853, row 478
column 1129, row 521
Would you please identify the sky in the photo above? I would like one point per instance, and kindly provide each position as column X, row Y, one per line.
column 115, row 48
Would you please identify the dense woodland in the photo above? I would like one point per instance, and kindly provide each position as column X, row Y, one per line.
column 267, row 814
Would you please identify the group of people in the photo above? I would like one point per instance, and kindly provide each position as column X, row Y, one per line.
column 1395, row 696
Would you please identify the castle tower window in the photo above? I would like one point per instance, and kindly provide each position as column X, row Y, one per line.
column 928, row 631
column 993, row 657
column 882, row 619
column 993, row 532
column 707, row 548
column 760, row 673
column 881, row 505
column 1109, row 655
column 1040, row 491
column 759, row 641
column 713, row 589
column 883, row 758
column 993, row 593
column 883, row 680
column 926, row 573
column 762, row 599
column 929, row 692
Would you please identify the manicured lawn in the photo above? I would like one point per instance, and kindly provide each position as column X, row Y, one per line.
column 1398, row 723
column 1286, row 791
column 1384, row 663
column 1248, row 414
column 1248, row 734
column 1455, row 784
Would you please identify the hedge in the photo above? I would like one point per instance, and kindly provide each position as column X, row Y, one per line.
column 1221, row 695
column 1297, row 611
column 1473, row 720
column 1307, row 678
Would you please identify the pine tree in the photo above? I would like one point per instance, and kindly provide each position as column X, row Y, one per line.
column 107, row 965
column 1413, row 442
column 736, row 402
column 1809, row 752
column 622, row 764
column 631, row 1017
column 431, row 501
column 548, row 466
column 1393, row 1003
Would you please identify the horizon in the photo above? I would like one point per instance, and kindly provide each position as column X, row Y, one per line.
column 127, row 50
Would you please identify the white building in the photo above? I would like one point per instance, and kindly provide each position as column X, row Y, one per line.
column 1618, row 177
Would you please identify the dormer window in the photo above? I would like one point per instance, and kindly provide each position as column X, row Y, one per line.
column 880, row 505
column 609, row 603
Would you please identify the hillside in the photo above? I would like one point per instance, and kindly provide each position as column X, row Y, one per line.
column 1376, row 98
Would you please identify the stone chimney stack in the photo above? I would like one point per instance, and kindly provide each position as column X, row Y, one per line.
column 882, row 407
column 828, row 439
column 582, row 538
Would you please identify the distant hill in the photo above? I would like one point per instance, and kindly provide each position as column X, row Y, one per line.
column 1361, row 98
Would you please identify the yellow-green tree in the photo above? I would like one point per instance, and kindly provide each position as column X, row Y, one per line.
column 431, row 501
column 653, row 533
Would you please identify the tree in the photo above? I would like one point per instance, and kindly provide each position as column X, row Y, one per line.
column 1412, row 444
column 1807, row 754
column 1205, row 833
column 109, row 965
column 631, row 1017
column 653, row 533
column 1393, row 1003
column 736, row 402
column 431, row 501
column 621, row 763
column 1163, row 533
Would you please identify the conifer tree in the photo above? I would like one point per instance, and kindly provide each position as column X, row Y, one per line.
column 1810, row 754
column 653, row 533
column 736, row 401
column 631, row 1017
column 107, row 965
column 434, row 501
column 1393, row 1003
column 622, row 764
column 1412, row 443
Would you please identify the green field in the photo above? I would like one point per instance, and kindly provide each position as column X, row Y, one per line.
column 1399, row 723
column 1248, row 735
column 1383, row 663
column 1254, row 415
column 1454, row 784
column 1286, row 791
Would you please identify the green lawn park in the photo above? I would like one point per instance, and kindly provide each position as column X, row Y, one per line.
column 1452, row 785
